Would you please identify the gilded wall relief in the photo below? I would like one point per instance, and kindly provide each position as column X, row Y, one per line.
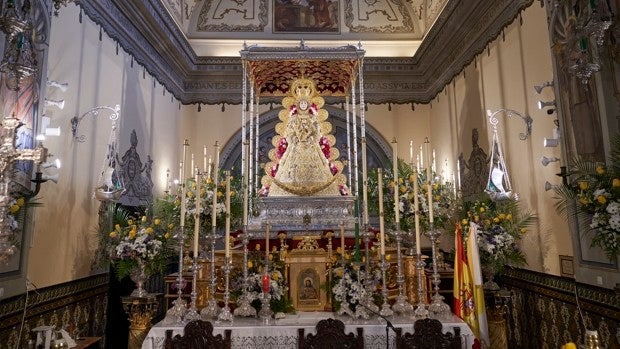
column 382, row 17
column 232, row 16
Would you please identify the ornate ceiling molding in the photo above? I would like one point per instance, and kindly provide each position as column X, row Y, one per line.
column 147, row 32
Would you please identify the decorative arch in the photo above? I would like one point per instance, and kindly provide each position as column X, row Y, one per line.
column 378, row 149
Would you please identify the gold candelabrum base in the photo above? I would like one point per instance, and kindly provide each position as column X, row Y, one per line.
column 411, row 280
column 140, row 312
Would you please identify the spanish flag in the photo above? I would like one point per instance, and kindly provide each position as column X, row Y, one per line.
column 463, row 284
column 473, row 257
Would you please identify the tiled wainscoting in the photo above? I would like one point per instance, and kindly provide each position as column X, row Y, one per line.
column 544, row 313
column 77, row 306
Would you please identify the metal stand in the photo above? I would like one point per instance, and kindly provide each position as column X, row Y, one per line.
column 192, row 313
column 245, row 308
column 385, row 308
column 178, row 311
column 420, row 310
column 225, row 314
column 212, row 310
column 438, row 307
column 401, row 306
column 265, row 298
column 368, row 284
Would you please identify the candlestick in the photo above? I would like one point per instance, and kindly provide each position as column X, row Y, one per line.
column 396, row 185
column 364, row 182
column 215, row 175
column 183, row 204
column 228, row 179
column 416, row 205
column 204, row 158
column 381, row 232
column 197, row 215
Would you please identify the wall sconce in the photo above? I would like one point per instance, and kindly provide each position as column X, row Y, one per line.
column 539, row 88
column 546, row 160
column 509, row 112
column 75, row 121
column 63, row 86
column 544, row 104
column 550, row 142
column 60, row 103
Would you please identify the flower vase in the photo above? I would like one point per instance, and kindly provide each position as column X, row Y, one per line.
column 139, row 276
column 489, row 284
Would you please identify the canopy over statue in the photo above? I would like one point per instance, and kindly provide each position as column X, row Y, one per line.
column 303, row 186
column 304, row 159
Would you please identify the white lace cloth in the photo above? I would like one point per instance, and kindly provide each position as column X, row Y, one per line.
column 282, row 334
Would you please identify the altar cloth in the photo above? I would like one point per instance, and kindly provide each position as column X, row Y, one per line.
column 282, row 333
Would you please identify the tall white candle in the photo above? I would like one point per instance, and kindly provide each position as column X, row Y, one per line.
column 227, row 239
column 183, row 189
column 381, row 231
column 416, row 207
column 204, row 159
column 429, row 180
column 434, row 163
column 458, row 172
column 215, row 172
column 168, row 183
column 417, row 162
column 453, row 183
column 396, row 186
column 181, row 171
column 364, row 182
column 209, row 168
column 342, row 237
column 192, row 168
column 267, row 235
column 197, row 215
column 421, row 157
column 411, row 153
column 245, row 178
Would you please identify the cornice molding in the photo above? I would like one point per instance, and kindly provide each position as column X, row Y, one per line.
column 147, row 32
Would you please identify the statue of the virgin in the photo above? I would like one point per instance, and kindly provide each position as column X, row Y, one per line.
column 303, row 162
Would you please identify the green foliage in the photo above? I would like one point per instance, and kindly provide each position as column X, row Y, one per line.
column 501, row 225
column 593, row 196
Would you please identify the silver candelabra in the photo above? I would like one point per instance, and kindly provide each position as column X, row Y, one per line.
column 245, row 308
column 401, row 306
column 212, row 310
column 438, row 307
column 385, row 308
column 225, row 314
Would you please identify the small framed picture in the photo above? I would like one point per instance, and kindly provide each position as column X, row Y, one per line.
column 566, row 266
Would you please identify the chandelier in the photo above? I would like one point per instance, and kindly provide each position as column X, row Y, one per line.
column 19, row 57
column 584, row 25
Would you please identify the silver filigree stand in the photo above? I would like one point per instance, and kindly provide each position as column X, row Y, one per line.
column 401, row 306
column 368, row 279
column 437, row 307
column 420, row 310
column 245, row 307
column 178, row 311
column 212, row 310
column 265, row 298
column 225, row 314
column 385, row 308
column 192, row 313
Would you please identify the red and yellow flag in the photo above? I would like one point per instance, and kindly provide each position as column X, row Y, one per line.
column 463, row 292
column 473, row 257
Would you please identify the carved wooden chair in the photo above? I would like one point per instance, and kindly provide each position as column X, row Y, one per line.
column 427, row 334
column 198, row 335
column 330, row 335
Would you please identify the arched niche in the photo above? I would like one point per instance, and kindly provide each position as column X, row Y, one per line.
column 378, row 149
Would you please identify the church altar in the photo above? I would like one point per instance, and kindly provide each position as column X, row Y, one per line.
column 282, row 333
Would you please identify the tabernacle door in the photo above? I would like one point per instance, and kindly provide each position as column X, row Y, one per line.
column 308, row 275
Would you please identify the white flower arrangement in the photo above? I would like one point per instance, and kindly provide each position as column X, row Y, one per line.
column 349, row 289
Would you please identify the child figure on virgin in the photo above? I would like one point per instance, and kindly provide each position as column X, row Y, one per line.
column 303, row 162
